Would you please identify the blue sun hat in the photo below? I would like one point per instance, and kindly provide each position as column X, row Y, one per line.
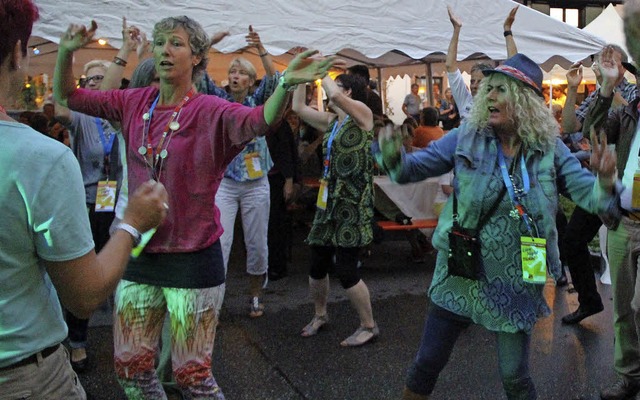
column 522, row 68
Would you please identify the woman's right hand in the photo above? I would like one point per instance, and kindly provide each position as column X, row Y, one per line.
column 77, row 36
column 147, row 207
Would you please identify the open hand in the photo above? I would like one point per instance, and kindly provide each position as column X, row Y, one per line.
column 608, row 68
column 77, row 36
column 307, row 68
column 510, row 18
column 455, row 21
column 574, row 75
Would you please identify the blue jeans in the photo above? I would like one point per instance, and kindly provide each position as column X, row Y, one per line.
column 441, row 330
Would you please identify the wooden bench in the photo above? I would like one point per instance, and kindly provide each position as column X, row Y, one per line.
column 415, row 224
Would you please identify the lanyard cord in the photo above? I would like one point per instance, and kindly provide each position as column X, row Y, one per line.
column 107, row 146
column 515, row 193
column 334, row 132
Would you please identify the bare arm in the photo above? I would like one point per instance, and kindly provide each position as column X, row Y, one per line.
column 510, row 41
column 451, row 62
column 74, row 38
column 85, row 282
column 318, row 119
column 361, row 114
column 132, row 39
column 63, row 113
column 570, row 123
column 253, row 39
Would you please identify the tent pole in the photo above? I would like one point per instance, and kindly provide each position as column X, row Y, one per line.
column 430, row 83
column 381, row 90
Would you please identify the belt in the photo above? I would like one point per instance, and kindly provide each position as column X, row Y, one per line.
column 631, row 215
column 32, row 359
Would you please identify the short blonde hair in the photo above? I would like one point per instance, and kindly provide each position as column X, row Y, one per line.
column 244, row 64
column 104, row 64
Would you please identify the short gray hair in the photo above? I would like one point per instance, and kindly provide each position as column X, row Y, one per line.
column 198, row 39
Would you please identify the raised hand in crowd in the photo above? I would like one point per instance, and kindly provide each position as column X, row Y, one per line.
column 508, row 36
column 77, row 36
column 133, row 40
column 608, row 70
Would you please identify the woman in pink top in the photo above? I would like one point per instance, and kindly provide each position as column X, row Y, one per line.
column 184, row 140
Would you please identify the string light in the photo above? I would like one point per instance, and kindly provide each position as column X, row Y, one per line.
column 102, row 41
column 36, row 51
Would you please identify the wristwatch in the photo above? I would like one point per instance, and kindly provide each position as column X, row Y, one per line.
column 137, row 236
column 286, row 86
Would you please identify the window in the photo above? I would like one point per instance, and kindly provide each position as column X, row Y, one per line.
column 569, row 15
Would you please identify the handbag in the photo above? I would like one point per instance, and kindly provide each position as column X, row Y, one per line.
column 465, row 259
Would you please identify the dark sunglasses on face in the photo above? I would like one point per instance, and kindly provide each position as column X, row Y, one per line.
column 95, row 78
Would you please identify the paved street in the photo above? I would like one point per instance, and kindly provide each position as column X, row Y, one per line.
column 266, row 359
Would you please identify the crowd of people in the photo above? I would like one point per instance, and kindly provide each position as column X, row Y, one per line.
column 150, row 180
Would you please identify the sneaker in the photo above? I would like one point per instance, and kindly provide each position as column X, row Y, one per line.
column 257, row 308
column 623, row 389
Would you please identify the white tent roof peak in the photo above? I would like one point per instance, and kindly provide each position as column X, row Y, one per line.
column 609, row 26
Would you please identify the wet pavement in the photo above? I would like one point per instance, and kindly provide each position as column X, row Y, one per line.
column 265, row 358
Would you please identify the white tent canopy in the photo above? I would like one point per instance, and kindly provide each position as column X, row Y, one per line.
column 609, row 26
column 379, row 33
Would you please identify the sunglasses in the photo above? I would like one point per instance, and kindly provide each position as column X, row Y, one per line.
column 95, row 78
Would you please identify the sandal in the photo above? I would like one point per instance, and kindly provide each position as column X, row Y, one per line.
column 257, row 308
column 315, row 325
column 361, row 336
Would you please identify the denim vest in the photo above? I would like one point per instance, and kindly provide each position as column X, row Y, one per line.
column 473, row 156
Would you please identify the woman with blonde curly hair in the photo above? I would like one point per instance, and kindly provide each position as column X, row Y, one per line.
column 496, row 237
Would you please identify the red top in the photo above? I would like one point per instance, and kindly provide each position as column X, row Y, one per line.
column 212, row 132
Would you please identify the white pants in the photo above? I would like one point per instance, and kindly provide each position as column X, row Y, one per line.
column 253, row 199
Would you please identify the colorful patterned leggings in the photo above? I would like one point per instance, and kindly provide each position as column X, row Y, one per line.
column 139, row 313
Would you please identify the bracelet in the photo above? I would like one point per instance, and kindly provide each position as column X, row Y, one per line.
column 266, row 53
column 507, row 33
column 286, row 86
column 119, row 61
column 135, row 234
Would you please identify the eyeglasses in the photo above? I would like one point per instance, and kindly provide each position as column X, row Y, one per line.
column 95, row 78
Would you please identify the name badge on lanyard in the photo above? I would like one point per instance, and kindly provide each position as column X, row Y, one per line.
column 534, row 259
column 323, row 195
column 252, row 163
column 106, row 196
column 323, row 192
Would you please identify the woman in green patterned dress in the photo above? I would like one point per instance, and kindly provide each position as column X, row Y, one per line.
column 342, row 224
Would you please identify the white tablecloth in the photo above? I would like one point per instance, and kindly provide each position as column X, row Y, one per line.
column 413, row 199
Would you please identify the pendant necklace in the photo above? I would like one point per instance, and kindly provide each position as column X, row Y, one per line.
column 153, row 156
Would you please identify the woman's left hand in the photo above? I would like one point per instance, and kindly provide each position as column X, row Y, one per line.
column 603, row 161
column 77, row 36
column 307, row 67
